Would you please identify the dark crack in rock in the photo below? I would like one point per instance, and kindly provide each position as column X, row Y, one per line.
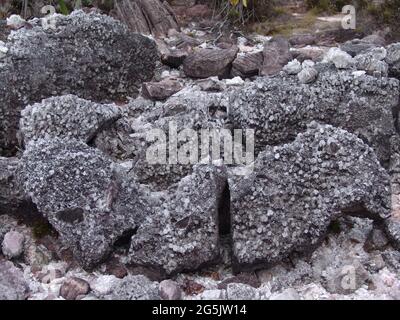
column 92, row 56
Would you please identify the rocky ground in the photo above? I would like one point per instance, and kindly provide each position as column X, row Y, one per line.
column 83, row 215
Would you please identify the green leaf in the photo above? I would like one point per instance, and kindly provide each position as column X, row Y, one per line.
column 234, row 2
column 244, row 3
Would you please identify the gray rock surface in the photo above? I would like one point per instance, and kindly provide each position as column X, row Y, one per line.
column 276, row 55
column 170, row 290
column 247, row 65
column 88, row 200
column 205, row 63
column 12, row 283
column 278, row 109
column 66, row 117
column 393, row 59
column 135, row 288
column 74, row 287
column 90, row 55
column 325, row 173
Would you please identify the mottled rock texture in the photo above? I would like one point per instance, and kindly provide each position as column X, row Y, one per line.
column 296, row 190
column 280, row 108
column 82, row 194
column 90, row 55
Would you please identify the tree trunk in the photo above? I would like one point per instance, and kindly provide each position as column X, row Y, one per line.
column 146, row 16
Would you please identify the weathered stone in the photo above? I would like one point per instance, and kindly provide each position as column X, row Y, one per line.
column 170, row 290
column 325, row 173
column 160, row 90
column 73, row 288
column 90, row 201
column 357, row 46
column 372, row 62
column 247, row 65
column 240, row 291
column 66, row 117
column 308, row 75
column 393, row 59
column 174, row 58
column 302, row 39
column 13, row 244
column 184, row 234
column 3, row 50
column 341, row 59
column 135, row 288
column 69, row 63
column 278, row 109
column 276, row 55
column 13, row 199
column 293, row 67
column 12, row 283
column 205, row 63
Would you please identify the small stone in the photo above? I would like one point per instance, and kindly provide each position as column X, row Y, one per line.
column 308, row 75
column 13, row 244
column 3, row 50
column 288, row 294
column 240, row 291
column 73, row 288
column 170, row 290
column 103, row 285
column 293, row 67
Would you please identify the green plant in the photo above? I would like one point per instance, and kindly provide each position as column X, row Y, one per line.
column 242, row 11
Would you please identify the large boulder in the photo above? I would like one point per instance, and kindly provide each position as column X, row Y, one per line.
column 276, row 55
column 90, row 201
column 393, row 59
column 280, row 108
column 66, row 117
column 296, row 190
column 184, row 234
column 92, row 56
column 205, row 63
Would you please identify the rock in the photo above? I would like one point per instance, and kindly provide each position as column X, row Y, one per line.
column 356, row 47
column 135, row 288
column 146, row 16
column 375, row 39
column 213, row 294
column 308, row 64
column 245, row 278
column 15, row 21
column 50, row 275
column 210, row 84
column 247, row 65
column 3, row 50
column 288, row 294
column 13, row 244
column 302, row 39
column 89, row 201
column 66, row 117
column 12, row 283
column 372, row 62
column 308, row 75
column 73, row 288
column 280, row 108
column 160, row 90
column 205, row 63
column 240, row 291
column 184, row 233
column 341, row 59
column 276, row 55
column 293, row 67
column 393, row 59
column 170, row 290
column 116, row 269
column 392, row 228
column 376, row 240
column 13, row 200
column 329, row 173
column 68, row 63
column 308, row 53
